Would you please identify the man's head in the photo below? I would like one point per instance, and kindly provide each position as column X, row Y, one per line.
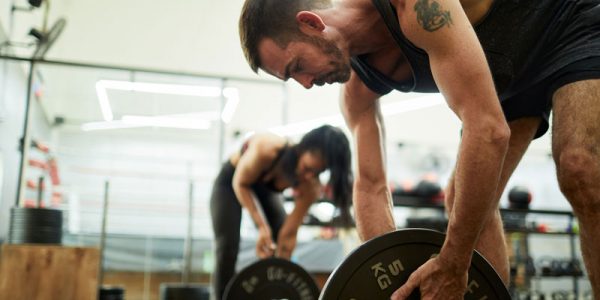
column 286, row 38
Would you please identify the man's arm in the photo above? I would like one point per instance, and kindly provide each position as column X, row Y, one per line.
column 461, row 72
column 372, row 199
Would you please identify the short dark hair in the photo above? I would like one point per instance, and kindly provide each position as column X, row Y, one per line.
column 275, row 19
column 333, row 145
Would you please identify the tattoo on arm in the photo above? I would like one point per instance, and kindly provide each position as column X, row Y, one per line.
column 431, row 16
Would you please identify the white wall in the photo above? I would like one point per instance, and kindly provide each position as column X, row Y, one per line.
column 185, row 35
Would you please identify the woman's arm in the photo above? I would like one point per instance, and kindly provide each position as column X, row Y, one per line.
column 306, row 194
column 247, row 172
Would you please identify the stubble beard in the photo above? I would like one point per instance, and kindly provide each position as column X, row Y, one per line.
column 341, row 65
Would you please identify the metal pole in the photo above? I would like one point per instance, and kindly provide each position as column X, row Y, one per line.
column 40, row 194
column 147, row 267
column 140, row 70
column 103, row 233
column 25, row 140
column 187, row 251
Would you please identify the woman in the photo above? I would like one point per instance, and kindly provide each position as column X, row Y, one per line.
column 255, row 177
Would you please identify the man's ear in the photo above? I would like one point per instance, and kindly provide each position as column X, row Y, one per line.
column 309, row 21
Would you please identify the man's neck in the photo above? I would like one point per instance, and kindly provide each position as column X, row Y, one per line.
column 357, row 26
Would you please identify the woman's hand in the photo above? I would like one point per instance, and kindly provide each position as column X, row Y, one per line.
column 264, row 245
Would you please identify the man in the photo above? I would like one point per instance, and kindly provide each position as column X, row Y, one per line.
column 501, row 65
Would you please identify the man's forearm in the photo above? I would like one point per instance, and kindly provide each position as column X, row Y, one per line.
column 476, row 181
column 373, row 211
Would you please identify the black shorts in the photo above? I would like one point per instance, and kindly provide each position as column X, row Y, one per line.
column 537, row 100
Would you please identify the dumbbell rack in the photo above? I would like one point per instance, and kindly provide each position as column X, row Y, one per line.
column 418, row 203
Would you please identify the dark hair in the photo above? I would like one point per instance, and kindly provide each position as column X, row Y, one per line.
column 275, row 19
column 333, row 145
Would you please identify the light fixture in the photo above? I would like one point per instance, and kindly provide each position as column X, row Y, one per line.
column 103, row 101
column 233, row 98
column 168, row 122
column 118, row 124
column 172, row 121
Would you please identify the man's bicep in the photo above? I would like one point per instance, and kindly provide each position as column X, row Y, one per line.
column 458, row 63
column 356, row 98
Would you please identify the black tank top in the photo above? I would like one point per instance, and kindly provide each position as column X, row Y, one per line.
column 524, row 42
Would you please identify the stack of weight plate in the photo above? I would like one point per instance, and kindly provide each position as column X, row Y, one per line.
column 110, row 292
column 35, row 226
column 184, row 291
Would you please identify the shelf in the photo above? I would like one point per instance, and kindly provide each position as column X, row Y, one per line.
column 415, row 202
column 538, row 232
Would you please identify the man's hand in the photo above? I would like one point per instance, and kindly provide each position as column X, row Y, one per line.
column 436, row 281
column 286, row 242
column 264, row 245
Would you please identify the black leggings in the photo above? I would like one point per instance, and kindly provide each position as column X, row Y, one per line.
column 226, row 213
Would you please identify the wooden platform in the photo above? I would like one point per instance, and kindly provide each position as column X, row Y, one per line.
column 44, row 272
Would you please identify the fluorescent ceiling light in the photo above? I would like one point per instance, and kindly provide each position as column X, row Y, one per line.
column 168, row 122
column 173, row 121
column 145, row 121
column 387, row 109
column 156, row 88
column 233, row 98
column 118, row 124
column 161, row 88
column 103, row 101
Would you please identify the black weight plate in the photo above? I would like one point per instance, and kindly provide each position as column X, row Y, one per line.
column 35, row 212
column 380, row 266
column 35, row 225
column 31, row 228
column 21, row 216
column 272, row 278
column 184, row 291
column 33, row 220
column 107, row 292
column 33, row 235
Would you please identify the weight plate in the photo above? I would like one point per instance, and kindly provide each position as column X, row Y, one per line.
column 184, row 291
column 107, row 292
column 35, row 226
column 272, row 278
column 380, row 266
